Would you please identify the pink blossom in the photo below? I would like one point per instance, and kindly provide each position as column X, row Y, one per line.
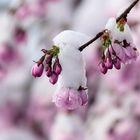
column 84, row 97
column 37, row 70
column 48, row 59
column 119, row 52
column 117, row 63
column 108, row 63
column 126, row 54
column 131, row 52
column 57, row 67
column 69, row 98
column 48, row 71
column 103, row 68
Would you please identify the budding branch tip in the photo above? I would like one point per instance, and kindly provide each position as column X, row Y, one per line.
column 123, row 15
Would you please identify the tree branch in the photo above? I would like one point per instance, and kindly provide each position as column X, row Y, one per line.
column 123, row 15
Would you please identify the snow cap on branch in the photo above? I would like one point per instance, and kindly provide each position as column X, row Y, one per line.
column 116, row 33
column 71, row 39
column 117, row 44
column 71, row 60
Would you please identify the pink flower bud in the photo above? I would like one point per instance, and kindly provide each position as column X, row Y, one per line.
column 37, row 70
column 108, row 63
column 131, row 52
column 48, row 59
column 57, row 67
column 53, row 79
column 84, row 97
column 126, row 54
column 48, row 71
column 103, row 68
column 117, row 63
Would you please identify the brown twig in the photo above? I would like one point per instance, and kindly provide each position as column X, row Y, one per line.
column 123, row 15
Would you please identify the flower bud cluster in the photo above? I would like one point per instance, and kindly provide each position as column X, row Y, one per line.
column 50, row 62
column 117, row 45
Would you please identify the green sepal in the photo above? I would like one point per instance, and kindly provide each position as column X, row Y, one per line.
column 120, row 27
column 106, row 43
column 55, row 50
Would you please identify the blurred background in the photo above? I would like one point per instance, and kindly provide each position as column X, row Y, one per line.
column 26, row 108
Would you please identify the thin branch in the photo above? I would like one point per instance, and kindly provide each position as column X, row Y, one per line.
column 127, row 11
column 123, row 15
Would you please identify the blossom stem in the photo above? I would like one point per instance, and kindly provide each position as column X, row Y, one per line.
column 123, row 15
column 127, row 11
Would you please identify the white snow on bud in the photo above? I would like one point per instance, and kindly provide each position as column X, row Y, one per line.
column 71, row 60
column 70, row 38
column 73, row 68
column 111, row 24
column 125, row 35
column 116, row 33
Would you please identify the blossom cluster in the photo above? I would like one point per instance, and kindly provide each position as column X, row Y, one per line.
column 117, row 45
column 52, row 65
column 90, row 106
column 65, row 60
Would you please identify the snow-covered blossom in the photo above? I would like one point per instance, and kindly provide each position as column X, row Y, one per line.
column 118, row 46
column 64, row 63
column 72, row 76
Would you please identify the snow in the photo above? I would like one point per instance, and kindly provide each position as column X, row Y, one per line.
column 116, row 33
column 126, row 35
column 71, row 38
column 71, row 59
column 110, row 24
